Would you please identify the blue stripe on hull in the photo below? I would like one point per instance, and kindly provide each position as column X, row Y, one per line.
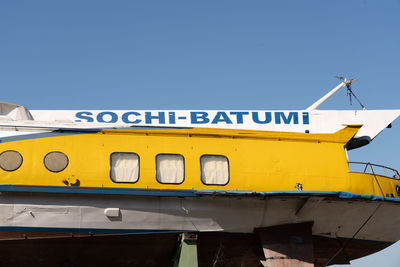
column 185, row 193
column 41, row 135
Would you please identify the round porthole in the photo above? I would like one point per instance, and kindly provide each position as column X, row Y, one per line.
column 10, row 160
column 56, row 161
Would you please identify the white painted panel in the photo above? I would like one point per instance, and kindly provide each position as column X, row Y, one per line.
column 45, row 216
column 229, row 214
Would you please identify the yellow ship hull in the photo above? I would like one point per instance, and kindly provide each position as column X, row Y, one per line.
column 274, row 178
column 258, row 161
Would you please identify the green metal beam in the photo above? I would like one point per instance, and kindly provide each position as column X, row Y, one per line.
column 186, row 254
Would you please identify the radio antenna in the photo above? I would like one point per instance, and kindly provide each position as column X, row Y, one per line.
column 350, row 92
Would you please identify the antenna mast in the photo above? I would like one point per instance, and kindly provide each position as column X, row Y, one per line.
column 350, row 93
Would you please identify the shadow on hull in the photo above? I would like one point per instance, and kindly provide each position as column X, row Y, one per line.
column 214, row 249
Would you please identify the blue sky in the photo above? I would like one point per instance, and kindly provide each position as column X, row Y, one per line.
column 257, row 54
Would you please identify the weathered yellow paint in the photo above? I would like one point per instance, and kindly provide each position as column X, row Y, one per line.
column 259, row 161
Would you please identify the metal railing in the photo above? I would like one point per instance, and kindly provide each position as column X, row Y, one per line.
column 375, row 169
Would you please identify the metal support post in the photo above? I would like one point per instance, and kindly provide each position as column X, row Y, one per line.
column 186, row 254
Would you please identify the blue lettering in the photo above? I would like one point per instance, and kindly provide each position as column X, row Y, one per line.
column 125, row 117
column 221, row 117
column 160, row 117
column 84, row 115
column 171, row 117
column 256, row 119
column 199, row 117
column 239, row 116
column 306, row 118
column 288, row 119
column 113, row 117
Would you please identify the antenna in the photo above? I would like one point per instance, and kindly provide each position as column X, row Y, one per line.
column 350, row 92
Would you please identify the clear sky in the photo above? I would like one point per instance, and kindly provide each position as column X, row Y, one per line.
column 257, row 54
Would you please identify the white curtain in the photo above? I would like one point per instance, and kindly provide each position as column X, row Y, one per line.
column 124, row 167
column 214, row 170
column 170, row 168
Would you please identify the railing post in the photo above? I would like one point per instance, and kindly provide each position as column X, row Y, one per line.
column 366, row 166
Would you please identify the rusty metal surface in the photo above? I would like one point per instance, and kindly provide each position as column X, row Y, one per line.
column 325, row 248
column 287, row 245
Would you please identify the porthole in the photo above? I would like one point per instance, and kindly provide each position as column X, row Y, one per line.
column 10, row 160
column 56, row 161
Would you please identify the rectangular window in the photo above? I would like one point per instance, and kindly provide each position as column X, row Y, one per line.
column 214, row 169
column 170, row 168
column 124, row 167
